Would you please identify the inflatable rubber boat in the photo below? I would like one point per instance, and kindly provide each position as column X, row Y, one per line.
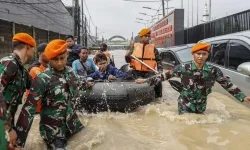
column 122, row 96
column 116, row 95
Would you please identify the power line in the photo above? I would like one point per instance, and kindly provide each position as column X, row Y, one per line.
column 89, row 13
column 139, row 1
column 30, row 3
column 47, row 16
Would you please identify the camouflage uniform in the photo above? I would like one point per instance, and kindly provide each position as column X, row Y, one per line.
column 143, row 74
column 14, row 81
column 59, row 92
column 197, row 84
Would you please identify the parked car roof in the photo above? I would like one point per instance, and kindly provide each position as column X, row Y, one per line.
column 245, row 35
column 177, row 48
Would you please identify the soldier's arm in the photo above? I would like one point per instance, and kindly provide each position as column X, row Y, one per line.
column 2, row 102
column 8, row 70
column 158, row 61
column 227, row 84
column 176, row 72
column 28, row 110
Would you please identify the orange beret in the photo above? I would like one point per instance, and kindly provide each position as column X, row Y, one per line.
column 25, row 38
column 201, row 46
column 55, row 48
column 144, row 32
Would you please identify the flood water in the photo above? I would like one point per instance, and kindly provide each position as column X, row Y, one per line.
column 157, row 126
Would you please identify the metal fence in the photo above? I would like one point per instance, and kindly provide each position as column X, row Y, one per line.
column 8, row 29
column 230, row 24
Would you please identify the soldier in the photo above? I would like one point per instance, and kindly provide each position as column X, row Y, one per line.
column 148, row 54
column 197, row 79
column 58, row 88
column 14, row 81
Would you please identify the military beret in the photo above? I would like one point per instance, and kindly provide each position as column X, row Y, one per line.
column 201, row 46
column 55, row 48
column 25, row 38
column 144, row 32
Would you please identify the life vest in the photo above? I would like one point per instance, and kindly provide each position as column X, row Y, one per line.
column 147, row 56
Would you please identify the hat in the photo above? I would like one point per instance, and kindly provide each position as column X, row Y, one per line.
column 144, row 32
column 41, row 47
column 55, row 48
column 201, row 46
column 25, row 38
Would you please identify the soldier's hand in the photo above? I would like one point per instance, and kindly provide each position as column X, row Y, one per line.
column 128, row 53
column 90, row 84
column 12, row 138
column 140, row 81
column 111, row 77
column 132, row 42
column 69, row 50
column 247, row 99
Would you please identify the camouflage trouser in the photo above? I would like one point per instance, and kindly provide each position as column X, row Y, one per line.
column 184, row 106
column 3, row 141
column 141, row 74
column 58, row 134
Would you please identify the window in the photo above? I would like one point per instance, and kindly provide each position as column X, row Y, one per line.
column 185, row 55
column 168, row 58
column 238, row 54
column 218, row 53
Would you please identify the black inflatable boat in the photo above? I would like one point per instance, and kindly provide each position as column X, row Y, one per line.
column 122, row 96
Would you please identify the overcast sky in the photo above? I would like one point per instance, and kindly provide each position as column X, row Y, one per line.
column 117, row 17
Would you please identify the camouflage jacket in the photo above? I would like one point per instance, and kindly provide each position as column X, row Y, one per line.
column 14, row 81
column 157, row 58
column 59, row 93
column 197, row 84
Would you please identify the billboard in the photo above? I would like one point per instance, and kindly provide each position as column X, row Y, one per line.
column 163, row 32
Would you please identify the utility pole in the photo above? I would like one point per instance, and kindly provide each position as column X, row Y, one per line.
column 188, row 15
column 86, row 32
column 73, row 15
column 76, row 17
column 192, row 13
column 182, row 4
column 96, row 33
column 163, row 8
column 210, row 10
column 197, row 12
column 83, row 32
column 89, row 25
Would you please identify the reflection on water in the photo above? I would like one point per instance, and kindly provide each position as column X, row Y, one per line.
column 225, row 125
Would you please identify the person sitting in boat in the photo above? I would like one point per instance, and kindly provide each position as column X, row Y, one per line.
column 106, row 71
column 85, row 65
column 104, row 50
column 197, row 80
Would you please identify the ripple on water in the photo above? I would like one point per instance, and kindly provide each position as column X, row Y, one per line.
column 216, row 113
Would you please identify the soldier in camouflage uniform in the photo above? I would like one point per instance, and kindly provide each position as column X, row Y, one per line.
column 197, row 78
column 58, row 88
column 14, row 81
column 140, row 71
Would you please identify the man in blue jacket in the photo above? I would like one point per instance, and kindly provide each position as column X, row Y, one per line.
column 106, row 71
